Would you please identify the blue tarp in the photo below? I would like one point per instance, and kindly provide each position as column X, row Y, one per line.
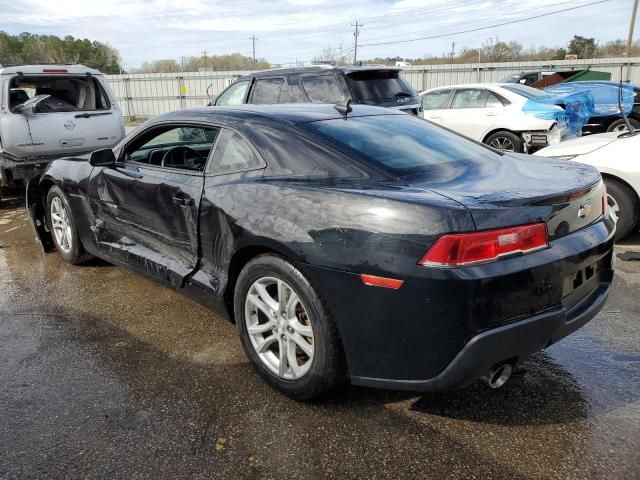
column 573, row 108
column 606, row 96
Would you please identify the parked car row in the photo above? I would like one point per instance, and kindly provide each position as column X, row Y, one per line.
column 52, row 111
column 345, row 240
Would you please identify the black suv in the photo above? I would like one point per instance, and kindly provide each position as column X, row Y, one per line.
column 369, row 85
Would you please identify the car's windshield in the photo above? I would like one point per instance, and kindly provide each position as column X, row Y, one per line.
column 378, row 84
column 401, row 144
column 525, row 91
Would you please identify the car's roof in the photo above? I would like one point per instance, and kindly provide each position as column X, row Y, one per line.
column 49, row 70
column 289, row 112
column 318, row 69
column 468, row 85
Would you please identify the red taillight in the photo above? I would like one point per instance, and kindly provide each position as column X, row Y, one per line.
column 385, row 282
column 464, row 248
column 54, row 70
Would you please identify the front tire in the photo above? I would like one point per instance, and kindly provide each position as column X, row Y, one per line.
column 286, row 329
column 63, row 229
column 505, row 141
column 624, row 205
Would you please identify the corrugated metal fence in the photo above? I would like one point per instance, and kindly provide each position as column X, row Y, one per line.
column 145, row 95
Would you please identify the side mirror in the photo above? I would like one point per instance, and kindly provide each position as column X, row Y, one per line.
column 523, row 81
column 102, row 158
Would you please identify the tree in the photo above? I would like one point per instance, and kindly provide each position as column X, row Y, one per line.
column 494, row 50
column 582, row 46
column 27, row 48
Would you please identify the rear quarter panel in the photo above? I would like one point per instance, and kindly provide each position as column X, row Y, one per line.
column 350, row 226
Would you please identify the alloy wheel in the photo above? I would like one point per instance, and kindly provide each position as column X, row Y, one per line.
column 279, row 328
column 613, row 207
column 503, row 143
column 61, row 225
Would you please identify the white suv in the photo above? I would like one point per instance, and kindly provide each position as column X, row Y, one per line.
column 492, row 114
column 51, row 111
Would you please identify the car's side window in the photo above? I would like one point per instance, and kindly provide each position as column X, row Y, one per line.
column 435, row 100
column 233, row 154
column 271, row 90
column 234, row 95
column 181, row 147
column 322, row 89
column 493, row 101
column 470, row 98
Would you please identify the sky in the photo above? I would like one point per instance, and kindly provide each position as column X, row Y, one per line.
column 298, row 30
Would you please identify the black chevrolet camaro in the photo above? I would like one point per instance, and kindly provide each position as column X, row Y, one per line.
column 358, row 243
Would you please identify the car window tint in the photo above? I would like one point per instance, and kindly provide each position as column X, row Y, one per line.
column 234, row 95
column 402, row 144
column 470, row 98
column 233, row 154
column 493, row 101
column 323, row 89
column 185, row 148
column 378, row 85
column 271, row 90
column 435, row 100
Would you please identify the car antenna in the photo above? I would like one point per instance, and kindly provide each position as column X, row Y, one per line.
column 344, row 108
column 624, row 116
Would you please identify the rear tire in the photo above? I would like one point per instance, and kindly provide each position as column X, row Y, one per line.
column 626, row 203
column 621, row 126
column 505, row 141
column 63, row 228
column 277, row 310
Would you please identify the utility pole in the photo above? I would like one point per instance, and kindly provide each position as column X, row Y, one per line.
column 355, row 40
column 453, row 51
column 204, row 53
column 253, row 42
column 630, row 38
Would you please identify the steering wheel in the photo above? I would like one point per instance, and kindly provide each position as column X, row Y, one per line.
column 182, row 157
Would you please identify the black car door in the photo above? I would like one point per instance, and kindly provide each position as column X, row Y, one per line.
column 146, row 208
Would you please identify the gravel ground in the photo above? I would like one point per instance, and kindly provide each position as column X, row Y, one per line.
column 105, row 374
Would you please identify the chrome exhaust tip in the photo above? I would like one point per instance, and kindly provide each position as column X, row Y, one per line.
column 498, row 376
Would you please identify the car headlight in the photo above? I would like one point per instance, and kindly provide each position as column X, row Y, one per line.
column 565, row 157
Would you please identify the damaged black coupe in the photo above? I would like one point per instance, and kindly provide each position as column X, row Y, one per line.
column 358, row 243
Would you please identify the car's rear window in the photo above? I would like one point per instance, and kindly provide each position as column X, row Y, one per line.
column 525, row 91
column 378, row 85
column 400, row 144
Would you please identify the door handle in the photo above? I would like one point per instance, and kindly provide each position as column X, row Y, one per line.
column 131, row 172
column 184, row 202
column 491, row 114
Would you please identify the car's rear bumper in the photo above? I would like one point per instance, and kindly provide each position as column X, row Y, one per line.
column 446, row 327
column 510, row 343
column 14, row 170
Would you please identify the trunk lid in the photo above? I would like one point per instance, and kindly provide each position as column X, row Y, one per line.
column 522, row 189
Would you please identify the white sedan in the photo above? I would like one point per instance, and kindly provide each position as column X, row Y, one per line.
column 492, row 114
column 616, row 155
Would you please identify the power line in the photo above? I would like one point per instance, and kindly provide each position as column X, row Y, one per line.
column 478, row 20
column 431, row 37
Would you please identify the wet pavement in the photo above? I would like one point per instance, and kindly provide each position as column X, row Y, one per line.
column 104, row 374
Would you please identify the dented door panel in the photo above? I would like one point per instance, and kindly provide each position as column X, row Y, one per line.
column 147, row 216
